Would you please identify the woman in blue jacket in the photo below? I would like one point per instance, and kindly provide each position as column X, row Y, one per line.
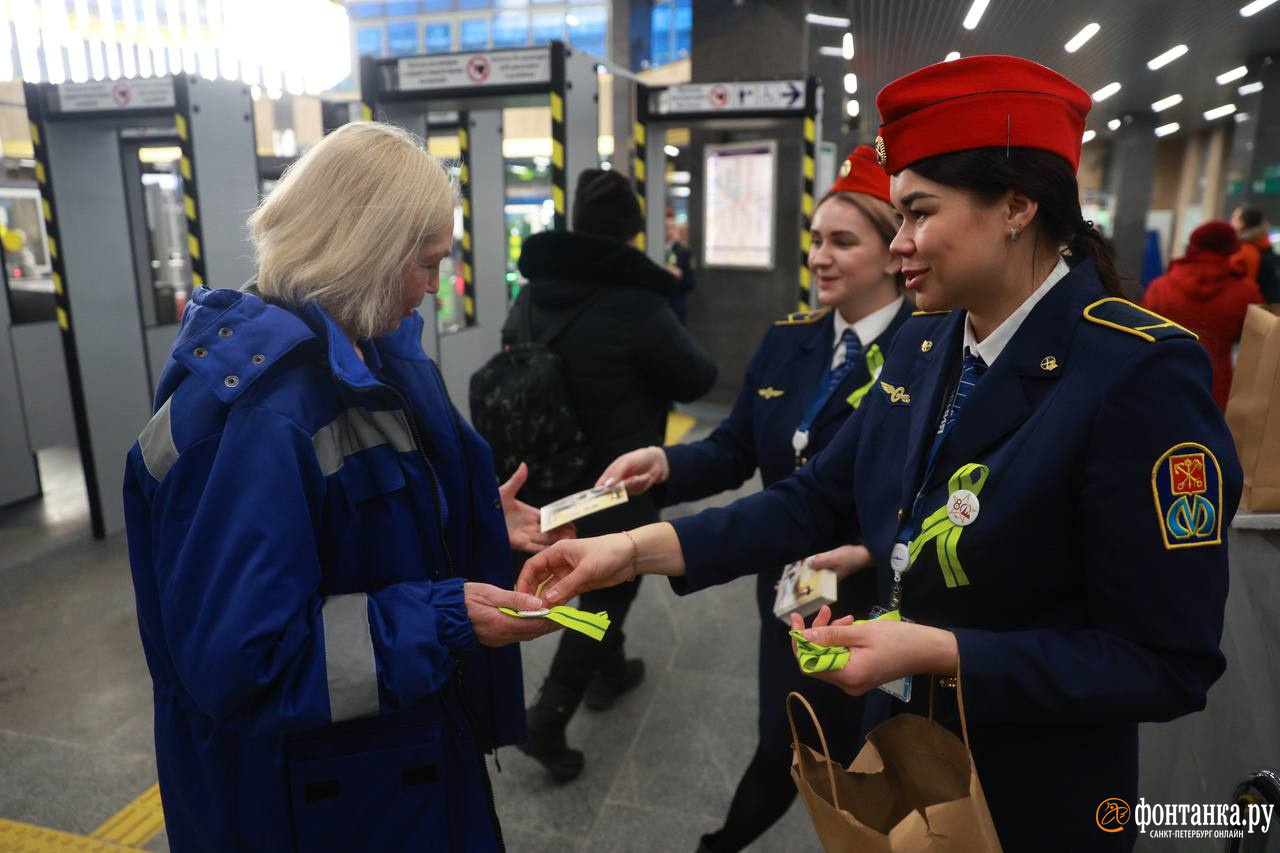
column 1041, row 475
column 318, row 541
column 811, row 371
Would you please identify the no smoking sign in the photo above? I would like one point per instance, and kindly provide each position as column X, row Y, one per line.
column 478, row 68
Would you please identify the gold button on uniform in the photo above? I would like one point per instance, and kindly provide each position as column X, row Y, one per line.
column 925, row 346
column 900, row 513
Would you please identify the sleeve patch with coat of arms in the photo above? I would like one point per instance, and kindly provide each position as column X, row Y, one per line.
column 1186, row 484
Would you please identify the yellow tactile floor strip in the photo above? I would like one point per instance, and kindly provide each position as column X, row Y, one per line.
column 137, row 823
column 24, row 838
column 678, row 426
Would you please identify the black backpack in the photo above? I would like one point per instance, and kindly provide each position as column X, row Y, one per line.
column 520, row 404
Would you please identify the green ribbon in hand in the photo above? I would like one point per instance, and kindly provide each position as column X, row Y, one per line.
column 939, row 526
column 592, row 625
column 875, row 361
column 815, row 658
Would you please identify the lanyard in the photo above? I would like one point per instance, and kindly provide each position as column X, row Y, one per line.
column 800, row 438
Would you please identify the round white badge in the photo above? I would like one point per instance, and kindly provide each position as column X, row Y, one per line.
column 963, row 507
column 900, row 557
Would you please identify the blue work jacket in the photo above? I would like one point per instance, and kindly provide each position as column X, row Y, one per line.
column 301, row 523
column 784, row 375
column 1087, row 593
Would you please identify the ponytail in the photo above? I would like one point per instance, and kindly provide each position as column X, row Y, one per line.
column 1088, row 243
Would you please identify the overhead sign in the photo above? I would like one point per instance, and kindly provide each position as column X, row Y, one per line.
column 141, row 94
column 468, row 70
column 732, row 97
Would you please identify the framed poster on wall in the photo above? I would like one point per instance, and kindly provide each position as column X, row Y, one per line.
column 739, row 204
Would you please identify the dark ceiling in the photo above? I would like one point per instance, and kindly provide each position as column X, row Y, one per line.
column 893, row 37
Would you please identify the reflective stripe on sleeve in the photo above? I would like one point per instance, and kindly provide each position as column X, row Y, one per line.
column 159, row 453
column 350, row 667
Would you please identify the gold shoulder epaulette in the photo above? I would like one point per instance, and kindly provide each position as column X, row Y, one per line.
column 802, row 318
column 928, row 313
column 1121, row 314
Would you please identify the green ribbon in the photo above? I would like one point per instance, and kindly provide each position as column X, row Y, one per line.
column 875, row 361
column 814, row 658
column 592, row 625
column 938, row 526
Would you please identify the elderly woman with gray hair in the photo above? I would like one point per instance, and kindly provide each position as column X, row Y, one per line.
column 318, row 542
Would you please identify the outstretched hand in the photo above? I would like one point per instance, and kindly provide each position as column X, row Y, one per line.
column 495, row 628
column 573, row 566
column 638, row 470
column 524, row 522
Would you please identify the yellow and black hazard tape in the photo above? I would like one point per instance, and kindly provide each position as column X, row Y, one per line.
column 559, row 137
column 190, row 186
column 805, row 296
column 468, row 227
column 640, row 133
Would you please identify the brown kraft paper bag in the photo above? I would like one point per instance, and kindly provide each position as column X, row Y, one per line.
column 1253, row 408
column 911, row 788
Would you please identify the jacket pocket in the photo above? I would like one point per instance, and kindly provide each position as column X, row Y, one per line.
column 370, row 475
column 388, row 796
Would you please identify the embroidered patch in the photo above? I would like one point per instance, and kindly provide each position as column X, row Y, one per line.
column 770, row 392
column 898, row 395
column 1186, row 484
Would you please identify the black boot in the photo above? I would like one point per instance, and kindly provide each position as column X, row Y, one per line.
column 609, row 684
column 547, row 721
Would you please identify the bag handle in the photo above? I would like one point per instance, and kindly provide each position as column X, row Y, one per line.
column 964, row 724
column 822, row 738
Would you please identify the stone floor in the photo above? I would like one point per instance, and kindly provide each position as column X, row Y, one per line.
column 75, row 704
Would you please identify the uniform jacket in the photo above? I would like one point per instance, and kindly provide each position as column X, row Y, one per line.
column 625, row 357
column 1209, row 294
column 300, row 527
column 1094, row 576
column 782, row 377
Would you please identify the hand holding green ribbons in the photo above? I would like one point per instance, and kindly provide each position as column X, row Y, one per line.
column 592, row 625
column 814, row 658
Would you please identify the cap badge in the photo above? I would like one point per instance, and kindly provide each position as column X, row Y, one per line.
column 881, row 156
column 845, row 168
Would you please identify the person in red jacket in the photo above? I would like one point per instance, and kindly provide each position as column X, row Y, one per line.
column 1207, row 291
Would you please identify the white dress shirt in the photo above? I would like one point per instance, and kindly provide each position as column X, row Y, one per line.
column 991, row 347
column 867, row 329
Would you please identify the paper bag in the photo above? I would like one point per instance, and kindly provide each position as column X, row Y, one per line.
column 911, row 788
column 1253, row 408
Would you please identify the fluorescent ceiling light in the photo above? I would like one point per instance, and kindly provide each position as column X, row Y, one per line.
column 1234, row 74
column 1241, row 117
column 671, row 150
column 1250, row 88
column 1089, row 135
column 952, row 56
column 1255, row 7
column 1219, row 112
column 850, row 83
column 1078, row 40
column 831, row 51
column 1114, row 124
column 853, row 109
column 1168, row 56
column 846, row 46
column 975, row 14
column 571, row 20
column 679, row 177
column 1164, row 103
column 827, row 20
column 1166, row 129
column 1106, row 91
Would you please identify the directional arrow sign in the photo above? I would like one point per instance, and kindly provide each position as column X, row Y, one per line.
column 767, row 95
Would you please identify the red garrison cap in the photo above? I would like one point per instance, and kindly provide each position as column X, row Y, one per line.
column 860, row 173
column 979, row 102
column 1215, row 236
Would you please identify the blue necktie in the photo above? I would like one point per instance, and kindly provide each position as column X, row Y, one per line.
column 852, row 347
column 971, row 370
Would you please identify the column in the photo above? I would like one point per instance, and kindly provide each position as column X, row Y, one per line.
column 1132, row 170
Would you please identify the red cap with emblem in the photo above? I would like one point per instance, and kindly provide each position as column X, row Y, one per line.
column 860, row 173
column 979, row 102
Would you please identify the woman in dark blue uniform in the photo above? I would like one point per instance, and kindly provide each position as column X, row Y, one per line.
column 811, row 371
column 1042, row 476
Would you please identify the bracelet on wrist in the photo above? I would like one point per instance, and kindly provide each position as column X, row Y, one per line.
column 635, row 554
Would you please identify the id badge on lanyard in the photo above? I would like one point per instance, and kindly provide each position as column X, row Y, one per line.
column 899, row 688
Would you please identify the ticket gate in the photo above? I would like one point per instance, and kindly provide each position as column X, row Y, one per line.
column 145, row 188
column 417, row 92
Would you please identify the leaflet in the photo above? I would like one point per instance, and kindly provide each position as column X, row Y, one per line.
column 583, row 503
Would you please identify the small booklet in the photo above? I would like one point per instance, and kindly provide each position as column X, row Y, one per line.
column 583, row 503
column 803, row 589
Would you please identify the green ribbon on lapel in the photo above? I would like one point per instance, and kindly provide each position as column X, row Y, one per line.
column 938, row 526
column 875, row 361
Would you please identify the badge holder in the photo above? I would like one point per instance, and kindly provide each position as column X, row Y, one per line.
column 899, row 688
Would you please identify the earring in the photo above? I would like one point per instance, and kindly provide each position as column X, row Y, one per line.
column 1013, row 235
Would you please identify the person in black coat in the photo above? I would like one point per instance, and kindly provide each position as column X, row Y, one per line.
column 625, row 358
